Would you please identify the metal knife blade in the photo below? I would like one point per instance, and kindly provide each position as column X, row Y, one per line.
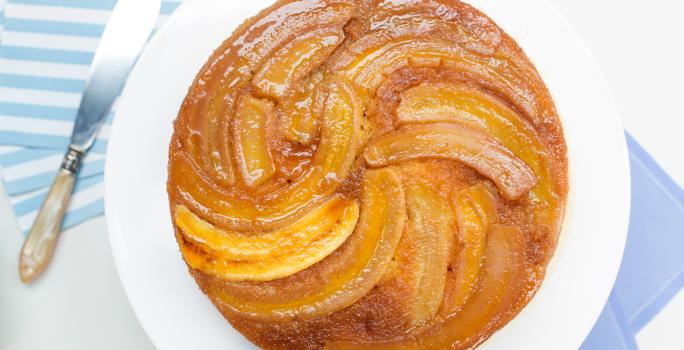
column 127, row 30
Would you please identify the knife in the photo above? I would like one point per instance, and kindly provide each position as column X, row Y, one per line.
column 127, row 30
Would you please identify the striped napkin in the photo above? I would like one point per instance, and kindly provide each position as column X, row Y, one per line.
column 46, row 47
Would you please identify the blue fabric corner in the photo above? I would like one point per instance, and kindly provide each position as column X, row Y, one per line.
column 652, row 271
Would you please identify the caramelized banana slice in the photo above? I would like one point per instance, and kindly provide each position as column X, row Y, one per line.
column 405, row 40
column 338, row 147
column 208, row 108
column 344, row 277
column 426, row 244
column 446, row 102
column 501, row 286
column 215, row 164
column 264, row 257
column 342, row 114
column 252, row 247
column 296, row 59
column 453, row 141
column 368, row 69
column 476, row 212
column 440, row 102
column 369, row 66
column 251, row 141
column 300, row 123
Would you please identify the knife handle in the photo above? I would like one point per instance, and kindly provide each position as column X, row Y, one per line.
column 40, row 243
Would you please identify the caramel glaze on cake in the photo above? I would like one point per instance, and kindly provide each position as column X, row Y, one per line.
column 352, row 174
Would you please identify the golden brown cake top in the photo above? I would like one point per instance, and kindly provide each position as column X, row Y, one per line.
column 368, row 173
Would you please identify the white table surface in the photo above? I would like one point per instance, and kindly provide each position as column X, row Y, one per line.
column 79, row 302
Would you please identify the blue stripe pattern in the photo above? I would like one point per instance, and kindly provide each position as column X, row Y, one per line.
column 2, row 18
column 24, row 155
column 37, row 111
column 46, row 55
column 168, row 7
column 32, row 203
column 82, row 214
column 89, row 4
column 41, row 83
column 40, row 148
column 44, row 141
column 74, row 217
column 42, row 180
column 54, row 27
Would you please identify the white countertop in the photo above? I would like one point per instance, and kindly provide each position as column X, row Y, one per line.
column 79, row 302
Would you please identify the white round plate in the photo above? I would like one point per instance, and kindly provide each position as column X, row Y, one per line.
column 176, row 315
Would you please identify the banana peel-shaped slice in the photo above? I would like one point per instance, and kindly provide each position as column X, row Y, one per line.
column 237, row 256
column 475, row 209
column 457, row 142
column 501, row 286
column 338, row 147
column 251, row 139
column 244, row 52
column 347, row 275
column 288, row 67
column 425, row 245
column 300, row 123
column 437, row 44
column 371, row 67
column 465, row 104
column 296, row 59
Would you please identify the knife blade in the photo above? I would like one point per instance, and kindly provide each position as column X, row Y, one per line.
column 125, row 34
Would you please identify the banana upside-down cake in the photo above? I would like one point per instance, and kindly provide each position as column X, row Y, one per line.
column 368, row 174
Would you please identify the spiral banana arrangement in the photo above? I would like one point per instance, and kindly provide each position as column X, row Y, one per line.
column 351, row 174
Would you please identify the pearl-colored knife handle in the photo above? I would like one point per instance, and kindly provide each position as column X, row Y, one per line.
column 42, row 239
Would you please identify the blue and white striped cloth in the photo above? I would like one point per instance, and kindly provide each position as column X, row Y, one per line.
column 46, row 47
